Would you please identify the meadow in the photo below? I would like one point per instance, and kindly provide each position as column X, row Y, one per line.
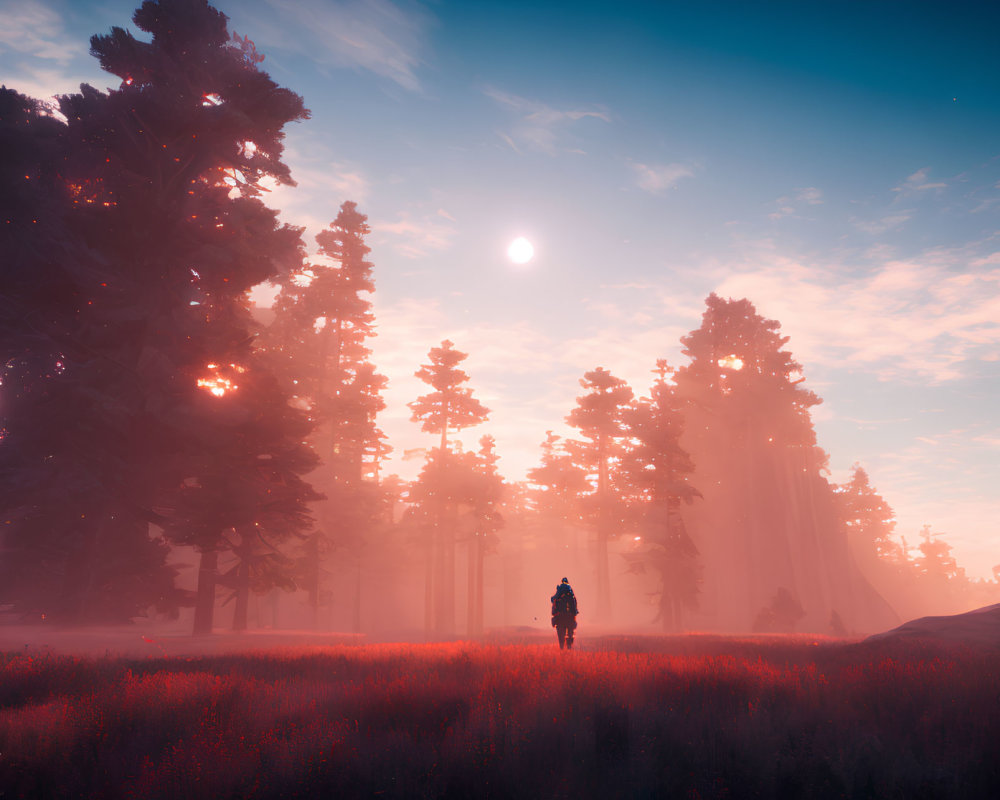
column 687, row 716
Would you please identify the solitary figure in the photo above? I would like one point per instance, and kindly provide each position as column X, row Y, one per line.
column 564, row 613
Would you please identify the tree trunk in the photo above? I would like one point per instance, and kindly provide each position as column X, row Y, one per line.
column 470, row 594
column 446, row 617
column 480, row 558
column 312, row 578
column 603, row 533
column 444, row 575
column 475, row 582
column 357, row 597
column 204, row 608
column 429, row 570
column 73, row 605
column 242, row 597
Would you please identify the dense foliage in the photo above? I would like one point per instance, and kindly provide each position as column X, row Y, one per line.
column 150, row 414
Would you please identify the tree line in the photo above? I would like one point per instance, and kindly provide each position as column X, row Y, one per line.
column 146, row 407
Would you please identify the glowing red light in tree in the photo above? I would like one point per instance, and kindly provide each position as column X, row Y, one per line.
column 221, row 379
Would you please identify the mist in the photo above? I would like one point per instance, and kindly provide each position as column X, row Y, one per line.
column 439, row 400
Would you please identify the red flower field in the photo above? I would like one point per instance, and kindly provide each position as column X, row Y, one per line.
column 693, row 716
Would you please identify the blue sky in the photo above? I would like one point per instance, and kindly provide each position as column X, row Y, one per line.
column 836, row 163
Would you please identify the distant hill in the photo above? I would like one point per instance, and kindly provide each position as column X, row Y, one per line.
column 981, row 626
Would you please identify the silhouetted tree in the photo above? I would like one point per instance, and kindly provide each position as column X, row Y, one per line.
column 869, row 519
column 74, row 549
column 654, row 474
column 935, row 563
column 598, row 416
column 450, row 407
column 558, row 485
column 782, row 614
column 148, row 173
column 486, row 519
column 769, row 516
column 323, row 318
column 245, row 494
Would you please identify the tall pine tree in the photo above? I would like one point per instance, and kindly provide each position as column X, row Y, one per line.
column 449, row 407
column 557, row 487
column 654, row 473
column 598, row 416
column 149, row 171
column 317, row 342
column 769, row 520
column 244, row 494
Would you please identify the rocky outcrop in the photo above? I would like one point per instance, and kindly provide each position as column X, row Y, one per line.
column 981, row 626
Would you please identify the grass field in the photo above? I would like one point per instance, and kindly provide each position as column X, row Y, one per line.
column 689, row 717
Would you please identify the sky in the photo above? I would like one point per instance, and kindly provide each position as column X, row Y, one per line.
column 838, row 164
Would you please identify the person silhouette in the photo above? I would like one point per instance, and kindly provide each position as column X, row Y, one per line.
column 564, row 611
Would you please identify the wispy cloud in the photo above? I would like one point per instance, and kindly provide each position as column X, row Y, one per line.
column 657, row 178
column 540, row 126
column 33, row 29
column 810, row 195
column 789, row 204
column 917, row 182
column 374, row 35
column 919, row 320
column 957, row 458
column 330, row 182
column 416, row 237
column 882, row 224
column 40, row 58
column 992, row 258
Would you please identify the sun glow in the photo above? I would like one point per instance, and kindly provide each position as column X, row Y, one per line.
column 218, row 383
column 520, row 251
column 732, row 362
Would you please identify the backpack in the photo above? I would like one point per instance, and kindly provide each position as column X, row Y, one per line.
column 565, row 602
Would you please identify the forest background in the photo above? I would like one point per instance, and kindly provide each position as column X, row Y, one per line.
column 149, row 407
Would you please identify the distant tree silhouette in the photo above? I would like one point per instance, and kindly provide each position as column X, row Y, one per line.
column 935, row 563
column 654, row 474
column 159, row 180
column 869, row 519
column 782, row 614
column 486, row 519
column 323, row 318
column 245, row 494
column 450, row 407
column 598, row 417
column 769, row 517
column 557, row 487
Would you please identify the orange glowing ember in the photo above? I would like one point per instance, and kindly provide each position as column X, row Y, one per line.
column 222, row 380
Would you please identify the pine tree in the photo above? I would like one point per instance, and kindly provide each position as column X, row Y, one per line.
column 487, row 519
column 450, row 407
column 654, row 476
column 556, row 488
column 148, row 170
column 869, row 519
column 245, row 494
column 769, row 517
column 559, row 483
column 598, row 416
column 936, row 565
column 317, row 341
column 64, row 558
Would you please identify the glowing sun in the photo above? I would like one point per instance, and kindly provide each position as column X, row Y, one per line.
column 520, row 251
